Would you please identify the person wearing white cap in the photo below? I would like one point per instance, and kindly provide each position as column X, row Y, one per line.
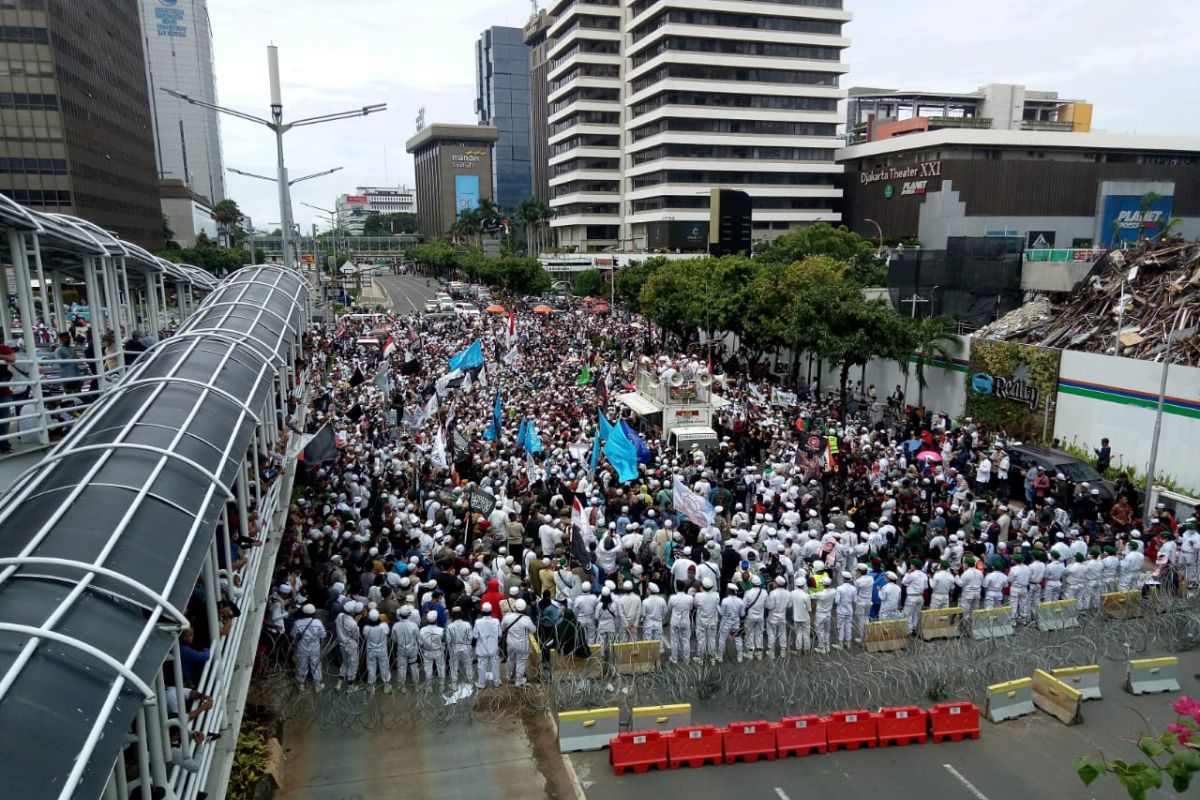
column 733, row 618
column 584, row 607
column 486, row 635
column 515, row 629
column 458, row 647
column 754, row 617
column 777, row 604
column 1131, row 576
column 349, row 639
column 941, row 584
column 433, row 650
column 708, row 613
column 375, row 634
column 631, row 612
column 407, row 641
column 309, row 634
column 889, row 599
column 844, row 604
column 654, row 609
column 864, row 587
column 801, row 605
column 823, row 617
column 915, row 583
column 680, row 608
column 609, row 622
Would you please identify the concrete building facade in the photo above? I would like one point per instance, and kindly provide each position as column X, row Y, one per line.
column 76, row 133
column 353, row 210
column 874, row 114
column 453, row 167
column 177, row 38
column 502, row 100
column 655, row 102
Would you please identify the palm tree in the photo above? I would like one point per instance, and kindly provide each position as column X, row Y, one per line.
column 936, row 337
column 228, row 216
column 468, row 224
column 528, row 214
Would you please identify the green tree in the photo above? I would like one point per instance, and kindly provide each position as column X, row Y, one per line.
column 590, row 282
column 229, row 221
column 829, row 316
column 168, row 234
column 533, row 215
column 632, row 278
column 436, row 254
column 390, row 224
column 468, row 226
column 707, row 294
column 935, row 338
column 819, row 239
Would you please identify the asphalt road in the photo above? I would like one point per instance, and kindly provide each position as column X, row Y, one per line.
column 407, row 293
column 1029, row 757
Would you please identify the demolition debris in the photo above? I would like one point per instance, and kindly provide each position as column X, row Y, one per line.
column 1132, row 296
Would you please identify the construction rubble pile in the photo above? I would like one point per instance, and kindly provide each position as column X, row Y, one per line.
column 1144, row 292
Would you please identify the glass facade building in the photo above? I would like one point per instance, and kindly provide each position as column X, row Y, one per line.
column 177, row 37
column 75, row 125
column 502, row 100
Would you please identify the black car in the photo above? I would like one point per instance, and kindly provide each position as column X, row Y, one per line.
column 1024, row 457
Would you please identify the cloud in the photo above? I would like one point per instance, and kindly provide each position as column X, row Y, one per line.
column 1132, row 61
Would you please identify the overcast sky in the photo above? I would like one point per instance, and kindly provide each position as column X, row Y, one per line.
column 1136, row 62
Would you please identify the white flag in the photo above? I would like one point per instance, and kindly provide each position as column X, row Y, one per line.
column 438, row 454
column 692, row 505
column 579, row 518
column 511, row 356
column 483, row 381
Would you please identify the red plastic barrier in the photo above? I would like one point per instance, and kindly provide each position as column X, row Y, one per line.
column 902, row 725
column 850, row 729
column 800, row 736
column 639, row 751
column 696, row 746
column 750, row 741
column 954, row 721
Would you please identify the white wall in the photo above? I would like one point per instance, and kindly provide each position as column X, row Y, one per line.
column 1128, row 422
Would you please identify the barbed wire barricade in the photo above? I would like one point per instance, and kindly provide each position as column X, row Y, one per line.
column 925, row 672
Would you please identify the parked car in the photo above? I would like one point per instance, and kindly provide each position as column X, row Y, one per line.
column 1057, row 462
column 431, row 306
column 466, row 310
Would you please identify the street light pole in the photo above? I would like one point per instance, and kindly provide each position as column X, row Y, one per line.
column 879, row 230
column 1158, row 416
column 279, row 127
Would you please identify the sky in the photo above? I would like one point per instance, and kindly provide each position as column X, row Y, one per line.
column 1129, row 59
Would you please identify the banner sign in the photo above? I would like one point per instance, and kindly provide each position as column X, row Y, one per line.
column 1013, row 386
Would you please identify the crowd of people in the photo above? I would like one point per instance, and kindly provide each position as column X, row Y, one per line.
column 458, row 519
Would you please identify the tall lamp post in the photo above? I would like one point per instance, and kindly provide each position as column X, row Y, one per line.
column 878, row 230
column 1158, row 414
column 280, row 127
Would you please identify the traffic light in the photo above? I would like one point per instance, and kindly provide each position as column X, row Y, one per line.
column 730, row 224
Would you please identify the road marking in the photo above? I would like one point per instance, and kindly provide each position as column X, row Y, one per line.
column 966, row 783
column 781, row 794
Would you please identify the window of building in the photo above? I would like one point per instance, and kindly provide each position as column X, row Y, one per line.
column 45, row 102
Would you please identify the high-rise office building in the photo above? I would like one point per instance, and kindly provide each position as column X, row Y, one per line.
column 655, row 102
column 177, row 36
column 453, row 167
column 539, row 106
column 502, row 101
column 75, row 128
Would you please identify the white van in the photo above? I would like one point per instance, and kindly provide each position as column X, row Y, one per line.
column 682, row 437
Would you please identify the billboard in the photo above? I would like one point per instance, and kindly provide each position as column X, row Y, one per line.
column 356, row 198
column 466, row 193
column 1131, row 217
column 169, row 20
column 1012, row 387
column 677, row 235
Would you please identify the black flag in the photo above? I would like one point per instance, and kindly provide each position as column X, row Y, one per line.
column 357, row 378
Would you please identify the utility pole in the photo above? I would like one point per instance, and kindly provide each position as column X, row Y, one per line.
column 1158, row 414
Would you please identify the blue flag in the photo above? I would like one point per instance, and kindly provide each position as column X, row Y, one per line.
column 595, row 462
column 522, row 432
column 470, row 358
column 533, row 442
column 643, row 450
column 605, row 430
column 492, row 434
column 621, row 453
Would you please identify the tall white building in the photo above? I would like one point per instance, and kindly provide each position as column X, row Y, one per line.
column 353, row 210
column 655, row 102
column 179, row 55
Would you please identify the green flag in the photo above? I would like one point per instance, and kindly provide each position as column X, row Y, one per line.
column 585, row 377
